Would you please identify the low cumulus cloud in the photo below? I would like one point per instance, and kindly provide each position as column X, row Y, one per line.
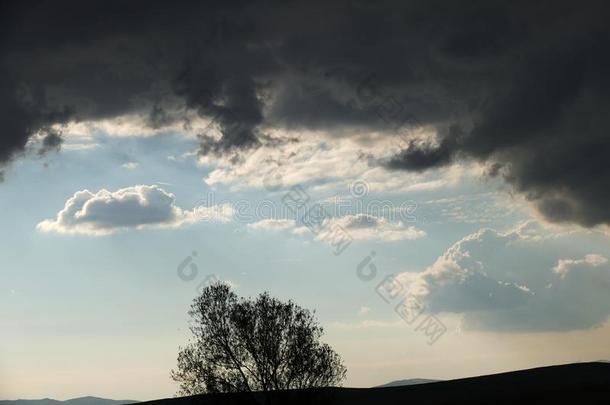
column 358, row 226
column 564, row 266
column 106, row 212
column 370, row 227
column 274, row 225
column 515, row 281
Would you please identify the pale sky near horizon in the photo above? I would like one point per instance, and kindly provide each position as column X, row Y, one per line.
column 449, row 161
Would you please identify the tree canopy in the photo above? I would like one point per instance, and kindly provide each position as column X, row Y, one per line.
column 259, row 344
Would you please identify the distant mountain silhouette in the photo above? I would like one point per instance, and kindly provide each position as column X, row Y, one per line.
column 411, row 381
column 74, row 401
column 586, row 383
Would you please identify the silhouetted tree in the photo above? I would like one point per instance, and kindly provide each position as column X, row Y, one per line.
column 260, row 344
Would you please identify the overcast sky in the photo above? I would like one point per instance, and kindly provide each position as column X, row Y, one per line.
column 454, row 151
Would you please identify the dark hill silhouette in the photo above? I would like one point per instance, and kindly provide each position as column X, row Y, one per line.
column 74, row 401
column 573, row 383
column 410, row 381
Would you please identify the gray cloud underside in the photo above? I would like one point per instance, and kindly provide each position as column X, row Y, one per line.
column 515, row 282
column 523, row 87
column 105, row 212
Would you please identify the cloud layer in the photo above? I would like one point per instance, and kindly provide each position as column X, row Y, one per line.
column 515, row 281
column 358, row 226
column 522, row 87
column 137, row 207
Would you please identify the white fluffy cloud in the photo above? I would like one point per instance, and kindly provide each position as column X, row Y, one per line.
column 106, row 212
column 274, row 225
column 369, row 227
column 565, row 265
column 359, row 227
column 517, row 280
column 364, row 310
column 130, row 165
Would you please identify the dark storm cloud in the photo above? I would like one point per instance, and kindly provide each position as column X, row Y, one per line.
column 51, row 141
column 523, row 87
